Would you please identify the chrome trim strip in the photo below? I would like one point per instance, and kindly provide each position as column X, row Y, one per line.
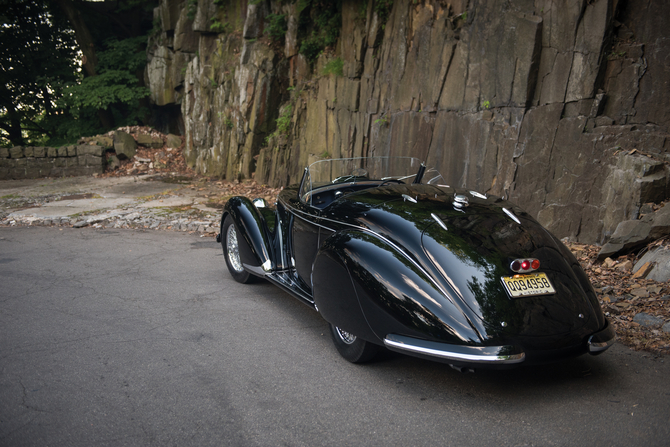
column 411, row 199
column 282, row 251
column 511, row 215
column 439, row 221
column 367, row 230
column 297, row 213
column 456, row 356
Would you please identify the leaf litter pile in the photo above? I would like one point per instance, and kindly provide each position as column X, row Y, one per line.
column 623, row 295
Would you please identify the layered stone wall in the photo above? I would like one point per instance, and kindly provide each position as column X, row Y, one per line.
column 34, row 162
column 558, row 105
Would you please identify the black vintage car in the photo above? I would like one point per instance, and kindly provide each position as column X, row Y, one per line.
column 391, row 256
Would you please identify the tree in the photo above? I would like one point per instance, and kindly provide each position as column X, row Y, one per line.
column 112, row 37
column 37, row 58
column 114, row 88
column 52, row 91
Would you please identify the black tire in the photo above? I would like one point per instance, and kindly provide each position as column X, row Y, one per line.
column 231, row 252
column 352, row 348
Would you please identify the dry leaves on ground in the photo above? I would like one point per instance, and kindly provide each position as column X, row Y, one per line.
column 623, row 295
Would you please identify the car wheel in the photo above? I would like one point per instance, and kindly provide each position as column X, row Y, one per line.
column 352, row 348
column 231, row 251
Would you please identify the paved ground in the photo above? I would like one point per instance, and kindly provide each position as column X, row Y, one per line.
column 113, row 336
column 126, row 337
column 155, row 202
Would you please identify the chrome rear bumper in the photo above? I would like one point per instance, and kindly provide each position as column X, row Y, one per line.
column 492, row 355
column 600, row 341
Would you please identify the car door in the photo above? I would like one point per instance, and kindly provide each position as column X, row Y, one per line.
column 305, row 244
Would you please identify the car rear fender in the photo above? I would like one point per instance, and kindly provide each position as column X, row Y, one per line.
column 254, row 243
column 358, row 278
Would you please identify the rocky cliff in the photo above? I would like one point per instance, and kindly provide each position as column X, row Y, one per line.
column 559, row 105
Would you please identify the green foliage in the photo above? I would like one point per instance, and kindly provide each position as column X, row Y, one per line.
column 217, row 26
column 319, row 25
column 616, row 55
column 284, row 120
column 115, row 84
column 311, row 48
column 37, row 58
column 278, row 26
column 44, row 96
column 126, row 54
column 362, row 11
column 383, row 121
column 191, row 9
column 283, row 123
column 226, row 120
column 334, row 66
column 486, row 104
column 157, row 27
column 383, row 10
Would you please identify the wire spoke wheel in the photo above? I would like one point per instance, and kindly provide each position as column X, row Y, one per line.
column 231, row 252
column 352, row 348
column 233, row 249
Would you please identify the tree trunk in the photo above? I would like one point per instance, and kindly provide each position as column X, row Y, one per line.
column 83, row 36
column 87, row 47
column 11, row 121
column 13, row 128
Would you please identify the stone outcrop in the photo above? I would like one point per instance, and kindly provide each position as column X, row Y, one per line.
column 125, row 145
column 654, row 265
column 637, row 233
column 559, row 106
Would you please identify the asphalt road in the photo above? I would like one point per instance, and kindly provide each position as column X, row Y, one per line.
column 141, row 338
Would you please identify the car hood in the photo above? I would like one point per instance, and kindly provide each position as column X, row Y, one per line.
column 467, row 242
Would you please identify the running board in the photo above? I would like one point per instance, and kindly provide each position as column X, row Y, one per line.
column 288, row 285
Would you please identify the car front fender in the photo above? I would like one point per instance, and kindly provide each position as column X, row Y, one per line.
column 255, row 247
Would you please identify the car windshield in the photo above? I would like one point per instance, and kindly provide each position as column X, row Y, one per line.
column 372, row 171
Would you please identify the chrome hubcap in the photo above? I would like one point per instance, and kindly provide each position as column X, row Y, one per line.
column 346, row 337
column 233, row 249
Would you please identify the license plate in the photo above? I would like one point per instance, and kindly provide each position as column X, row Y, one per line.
column 528, row 285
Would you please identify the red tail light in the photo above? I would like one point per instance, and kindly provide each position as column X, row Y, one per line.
column 525, row 265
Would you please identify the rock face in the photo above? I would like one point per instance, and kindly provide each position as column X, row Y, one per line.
column 559, row 106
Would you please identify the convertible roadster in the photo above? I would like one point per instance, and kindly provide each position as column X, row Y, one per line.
column 391, row 256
